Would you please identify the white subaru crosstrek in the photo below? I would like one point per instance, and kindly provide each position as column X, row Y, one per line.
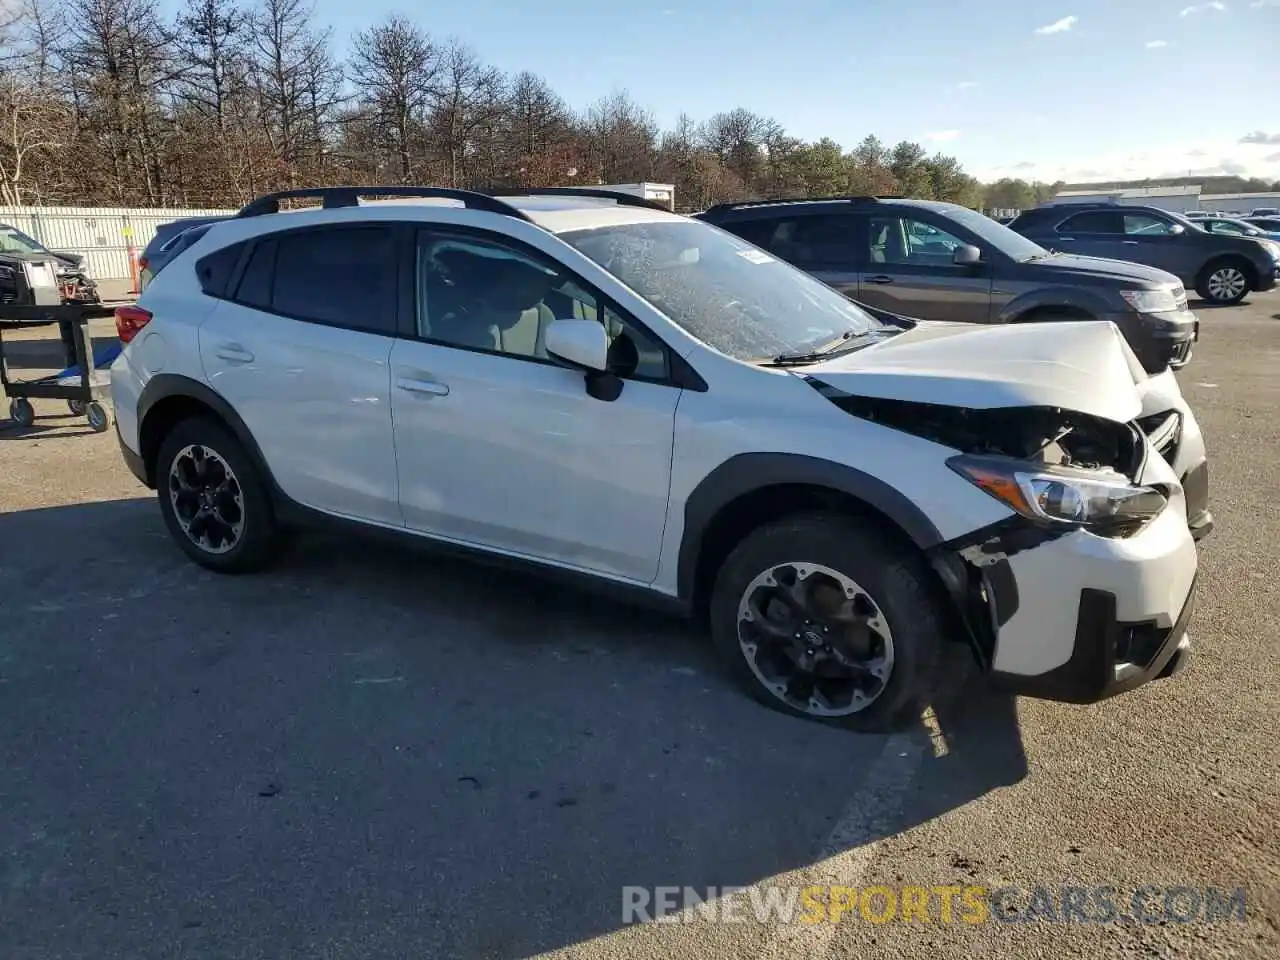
column 596, row 386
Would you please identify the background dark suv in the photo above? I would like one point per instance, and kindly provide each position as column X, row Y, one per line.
column 1222, row 269
column 940, row 261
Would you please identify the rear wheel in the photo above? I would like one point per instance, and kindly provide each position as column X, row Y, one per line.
column 826, row 618
column 1224, row 282
column 213, row 498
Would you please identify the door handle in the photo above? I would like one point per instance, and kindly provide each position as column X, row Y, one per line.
column 429, row 388
column 1129, row 243
column 879, row 278
column 233, row 353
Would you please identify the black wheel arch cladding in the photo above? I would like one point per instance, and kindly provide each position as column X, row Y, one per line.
column 166, row 388
column 755, row 473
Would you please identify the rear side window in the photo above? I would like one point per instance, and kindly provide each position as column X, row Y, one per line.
column 342, row 276
column 214, row 270
column 1094, row 221
column 812, row 242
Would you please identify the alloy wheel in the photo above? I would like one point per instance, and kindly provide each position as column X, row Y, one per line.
column 1226, row 283
column 207, row 499
column 815, row 639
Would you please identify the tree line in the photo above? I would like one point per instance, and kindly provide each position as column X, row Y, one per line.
column 108, row 102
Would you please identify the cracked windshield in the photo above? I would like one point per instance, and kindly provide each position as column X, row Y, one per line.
column 694, row 481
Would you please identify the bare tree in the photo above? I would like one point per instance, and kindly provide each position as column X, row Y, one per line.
column 119, row 60
column 621, row 139
column 395, row 70
column 470, row 99
column 295, row 79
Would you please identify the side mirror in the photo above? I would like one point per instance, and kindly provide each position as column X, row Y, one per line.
column 966, row 255
column 1177, row 229
column 579, row 343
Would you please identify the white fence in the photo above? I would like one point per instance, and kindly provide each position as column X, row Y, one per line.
column 102, row 234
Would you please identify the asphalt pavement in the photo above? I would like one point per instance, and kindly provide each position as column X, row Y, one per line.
column 366, row 752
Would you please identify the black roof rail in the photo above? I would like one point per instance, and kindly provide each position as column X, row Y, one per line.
column 741, row 204
column 598, row 193
column 334, row 197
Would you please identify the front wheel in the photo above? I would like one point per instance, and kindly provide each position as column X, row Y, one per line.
column 213, row 498
column 824, row 617
column 1225, row 283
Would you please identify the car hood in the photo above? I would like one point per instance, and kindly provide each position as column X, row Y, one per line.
column 1083, row 366
column 1102, row 268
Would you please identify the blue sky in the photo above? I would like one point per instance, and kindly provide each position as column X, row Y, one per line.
column 1076, row 89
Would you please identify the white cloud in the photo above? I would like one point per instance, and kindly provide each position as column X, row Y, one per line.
column 1156, row 44
column 1150, row 162
column 966, row 84
column 1058, row 26
column 941, row 135
column 1265, row 3
column 1203, row 8
column 1260, row 137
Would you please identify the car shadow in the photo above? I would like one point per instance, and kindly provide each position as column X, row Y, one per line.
column 422, row 756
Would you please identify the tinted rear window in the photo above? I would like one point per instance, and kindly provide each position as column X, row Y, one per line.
column 344, row 276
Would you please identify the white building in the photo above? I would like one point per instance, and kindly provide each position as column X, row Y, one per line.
column 661, row 192
column 1174, row 199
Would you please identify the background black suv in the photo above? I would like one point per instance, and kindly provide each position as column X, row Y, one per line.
column 940, row 261
column 1222, row 269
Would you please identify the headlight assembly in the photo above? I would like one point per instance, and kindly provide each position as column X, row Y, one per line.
column 1150, row 301
column 1104, row 503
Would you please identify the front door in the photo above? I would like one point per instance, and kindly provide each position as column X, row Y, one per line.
column 301, row 351
column 1151, row 239
column 909, row 270
column 501, row 447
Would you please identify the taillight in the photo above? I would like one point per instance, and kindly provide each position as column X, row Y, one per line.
column 129, row 320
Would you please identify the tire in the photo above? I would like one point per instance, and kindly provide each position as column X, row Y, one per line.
column 1225, row 282
column 97, row 417
column 212, row 544
column 22, row 412
column 891, row 574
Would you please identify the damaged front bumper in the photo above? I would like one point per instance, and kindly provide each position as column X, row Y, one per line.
column 1075, row 617
column 1109, row 655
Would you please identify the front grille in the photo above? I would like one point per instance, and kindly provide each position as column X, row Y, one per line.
column 1164, row 430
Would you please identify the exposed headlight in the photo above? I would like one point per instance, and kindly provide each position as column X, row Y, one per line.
column 1151, row 301
column 1104, row 503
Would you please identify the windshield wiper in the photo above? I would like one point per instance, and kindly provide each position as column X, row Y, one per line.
column 845, row 343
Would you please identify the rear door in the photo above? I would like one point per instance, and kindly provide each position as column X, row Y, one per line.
column 908, row 269
column 824, row 244
column 301, row 350
column 1091, row 233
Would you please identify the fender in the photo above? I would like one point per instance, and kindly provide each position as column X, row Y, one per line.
column 164, row 386
column 750, row 472
column 1072, row 298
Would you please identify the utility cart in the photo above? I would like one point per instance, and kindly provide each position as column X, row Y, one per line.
column 84, row 385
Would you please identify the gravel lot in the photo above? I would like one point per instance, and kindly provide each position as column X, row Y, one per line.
column 368, row 753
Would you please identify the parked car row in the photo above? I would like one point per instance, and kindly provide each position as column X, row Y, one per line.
column 942, row 262
column 593, row 386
